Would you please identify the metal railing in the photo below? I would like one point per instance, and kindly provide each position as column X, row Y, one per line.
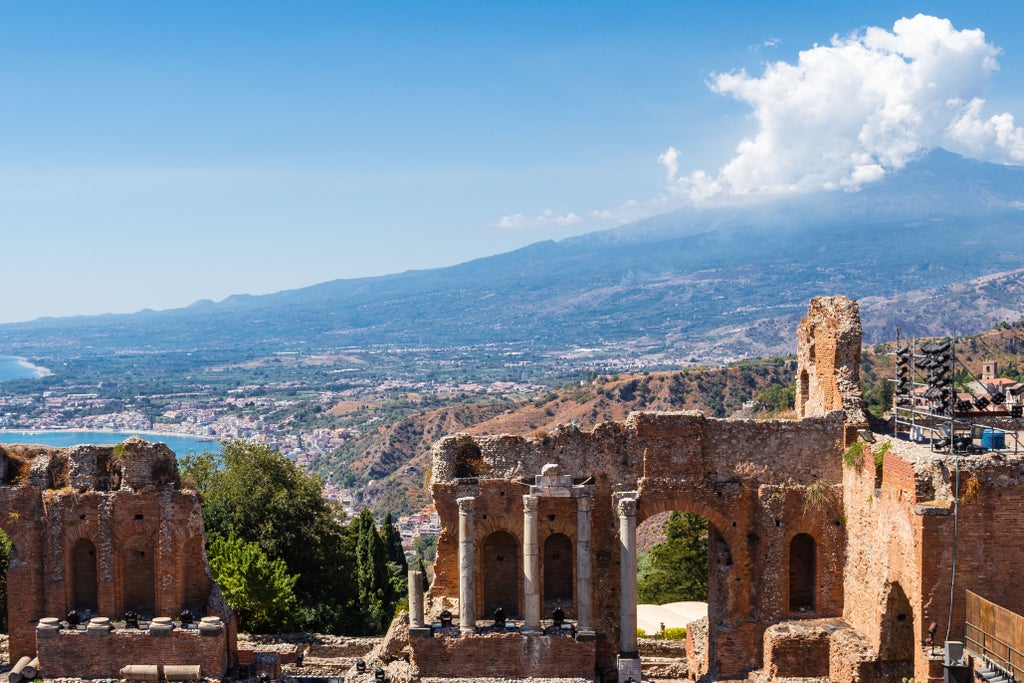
column 990, row 648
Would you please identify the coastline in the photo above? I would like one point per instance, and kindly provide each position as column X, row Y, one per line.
column 39, row 370
column 133, row 432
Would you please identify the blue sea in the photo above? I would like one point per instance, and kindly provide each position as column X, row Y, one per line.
column 181, row 445
column 17, row 368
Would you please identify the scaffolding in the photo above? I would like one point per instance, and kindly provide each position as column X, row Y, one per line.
column 931, row 407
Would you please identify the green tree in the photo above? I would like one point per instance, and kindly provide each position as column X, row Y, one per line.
column 255, row 494
column 377, row 595
column 777, row 397
column 398, row 566
column 677, row 568
column 259, row 590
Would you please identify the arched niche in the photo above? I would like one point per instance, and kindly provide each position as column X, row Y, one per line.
column 803, row 561
column 558, row 572
column 138, row 578
column 196, row 580
column 84, row 578
column 501, row 573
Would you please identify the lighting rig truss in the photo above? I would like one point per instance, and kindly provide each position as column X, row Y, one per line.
column 927, row 403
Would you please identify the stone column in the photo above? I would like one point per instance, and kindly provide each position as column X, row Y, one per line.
column 627, row 564
column 415, row 598
column 467, row 579
column 584, row 587
column 531, row 566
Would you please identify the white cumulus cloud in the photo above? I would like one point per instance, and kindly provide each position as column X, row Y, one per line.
column 547, row 218
column 847, row 113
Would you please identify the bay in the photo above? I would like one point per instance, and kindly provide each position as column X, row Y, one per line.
column 18, row 368
column 181, row 445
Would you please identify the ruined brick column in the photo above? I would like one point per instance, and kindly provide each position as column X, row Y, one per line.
column 628, row 660
column 467, row 580
column 531, row 566
column 584, row 588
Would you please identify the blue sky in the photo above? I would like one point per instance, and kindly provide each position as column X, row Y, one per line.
column 153, row 154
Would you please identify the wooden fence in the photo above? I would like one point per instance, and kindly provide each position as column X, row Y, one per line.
column 995, row 633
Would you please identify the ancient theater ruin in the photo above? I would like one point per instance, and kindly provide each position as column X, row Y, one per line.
column 100, row 532
column 816, row 568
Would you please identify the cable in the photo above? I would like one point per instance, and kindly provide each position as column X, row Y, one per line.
column 956, row 520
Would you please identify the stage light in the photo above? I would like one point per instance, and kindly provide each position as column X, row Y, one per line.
column 981, row 403
column 998, row 398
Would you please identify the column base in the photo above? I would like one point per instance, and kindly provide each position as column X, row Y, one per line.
column 629, row 668
column 586, row 636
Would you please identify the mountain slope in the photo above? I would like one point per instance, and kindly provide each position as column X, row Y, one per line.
column 672, row 279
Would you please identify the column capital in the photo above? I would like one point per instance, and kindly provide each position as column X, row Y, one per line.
column 465, row 504
column 626, row 507
column 530, row 504
column 585, row 503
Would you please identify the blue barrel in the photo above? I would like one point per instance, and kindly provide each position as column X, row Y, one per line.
column 993, row 440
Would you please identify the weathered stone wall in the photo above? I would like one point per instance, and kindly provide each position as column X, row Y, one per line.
column 775, row 494
column 828, row 360
column 753, row 481
column 84, row 654
column 102, row 529
column 503, row 655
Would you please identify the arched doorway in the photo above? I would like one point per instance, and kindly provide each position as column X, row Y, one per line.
column 558, row 572
column 83, row 576
column 501, row 573
column 803, row 560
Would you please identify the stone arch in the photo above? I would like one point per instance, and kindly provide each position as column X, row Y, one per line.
column 803, row 573
column 84, row 576
column 501, row 572
column 138, row 574
column 725, row 528
column 559, row 555
column 729, row 562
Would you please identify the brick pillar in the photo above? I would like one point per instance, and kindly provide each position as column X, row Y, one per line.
column 584, row 587
column 467, row 579
column 531, row 566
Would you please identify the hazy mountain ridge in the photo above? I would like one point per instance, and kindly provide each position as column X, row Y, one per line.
column 675, row 278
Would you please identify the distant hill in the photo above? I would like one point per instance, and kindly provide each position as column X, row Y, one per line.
column 699, row 281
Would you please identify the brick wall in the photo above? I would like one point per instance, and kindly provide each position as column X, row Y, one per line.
column 792, row 651
column 103, row 529
column 505, row 655
column 81, row 654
